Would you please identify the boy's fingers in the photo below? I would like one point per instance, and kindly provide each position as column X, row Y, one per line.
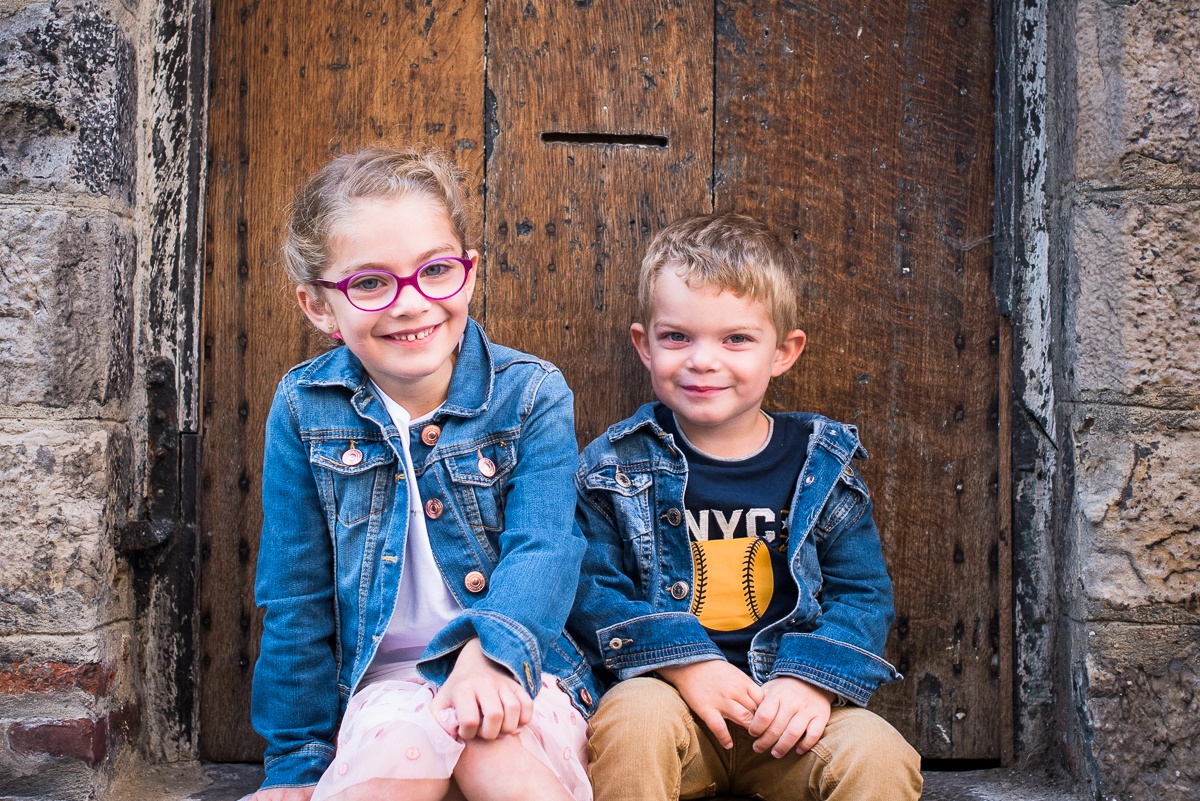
column 790, row 735
column 815, row 730
column 764, row 716
column 716, row 724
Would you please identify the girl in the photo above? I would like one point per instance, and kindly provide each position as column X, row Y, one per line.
column 417, row 559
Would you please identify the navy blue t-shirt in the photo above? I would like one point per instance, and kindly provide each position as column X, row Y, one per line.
column 737, row 522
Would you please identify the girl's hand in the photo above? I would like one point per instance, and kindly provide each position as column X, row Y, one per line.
column 283, row 794
column 488, row 701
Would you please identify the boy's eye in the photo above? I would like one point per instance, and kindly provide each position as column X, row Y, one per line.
column 675, row 336
column 738, row 339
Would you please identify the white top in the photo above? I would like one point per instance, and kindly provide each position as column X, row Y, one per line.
column 424, row 603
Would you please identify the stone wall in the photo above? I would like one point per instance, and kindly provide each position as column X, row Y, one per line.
column 1128, row 233
column 99, row 181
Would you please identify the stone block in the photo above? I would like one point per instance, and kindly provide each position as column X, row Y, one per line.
column 65, row 307
column 84, row 739
column 67, row 101
column 1137, row 509
column 1142, row 707
column 1133, row 315
column 59, row 573
column 1138, row 84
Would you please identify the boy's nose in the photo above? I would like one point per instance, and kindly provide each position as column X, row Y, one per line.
column 701, row 358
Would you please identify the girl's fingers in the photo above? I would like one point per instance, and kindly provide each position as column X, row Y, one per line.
column 512, row 713
column 467, row 709
column 526, row 708
column 491, row 709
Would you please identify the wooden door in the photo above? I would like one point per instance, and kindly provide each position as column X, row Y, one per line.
column 863, row 133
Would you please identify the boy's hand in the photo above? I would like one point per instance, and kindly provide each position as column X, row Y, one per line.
column 792, row 713
column 716, row 691
column 488, row 701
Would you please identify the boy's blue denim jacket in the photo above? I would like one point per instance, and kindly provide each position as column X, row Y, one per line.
column 333, row 536
column 631, row 613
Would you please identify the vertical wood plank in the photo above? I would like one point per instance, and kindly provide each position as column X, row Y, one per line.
column 568, row 219
column 866, row 132
column 293, row 83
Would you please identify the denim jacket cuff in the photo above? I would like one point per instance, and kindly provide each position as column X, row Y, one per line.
column 300, row 768
column 504, row 641
column 848, row 671
column 647, row 643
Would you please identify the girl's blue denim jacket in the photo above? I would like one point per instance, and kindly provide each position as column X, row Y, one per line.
column 334, row 529
column 632, row 610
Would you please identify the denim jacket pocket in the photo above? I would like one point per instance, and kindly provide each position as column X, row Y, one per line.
column 479, row 475
column 350, row 478
column 628, row 493
column 848, row 497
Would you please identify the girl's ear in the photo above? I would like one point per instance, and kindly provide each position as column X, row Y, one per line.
column 315, row 308
column 787, row 352
column 469, row 287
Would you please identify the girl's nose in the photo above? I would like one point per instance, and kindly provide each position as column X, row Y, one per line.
column 408, row 303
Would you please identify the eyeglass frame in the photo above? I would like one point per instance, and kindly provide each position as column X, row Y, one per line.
column 401, row 282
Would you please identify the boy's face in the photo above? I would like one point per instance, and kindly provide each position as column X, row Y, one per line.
column 711, row 356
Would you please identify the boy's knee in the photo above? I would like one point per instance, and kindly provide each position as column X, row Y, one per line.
column 861, row 744
column 637, row 709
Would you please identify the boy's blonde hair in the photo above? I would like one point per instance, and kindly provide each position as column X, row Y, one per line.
column 327, row 200
column 730, row 252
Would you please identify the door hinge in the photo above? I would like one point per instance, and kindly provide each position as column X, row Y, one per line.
column 159, row 512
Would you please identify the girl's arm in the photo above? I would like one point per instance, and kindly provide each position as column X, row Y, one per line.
column 533, row 583
column 295, row 699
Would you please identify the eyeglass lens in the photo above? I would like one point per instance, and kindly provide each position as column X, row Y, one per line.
column 437, row 280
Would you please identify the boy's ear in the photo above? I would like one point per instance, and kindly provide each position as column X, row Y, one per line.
column 641, row 342
column 314, row 307
column 787, row 352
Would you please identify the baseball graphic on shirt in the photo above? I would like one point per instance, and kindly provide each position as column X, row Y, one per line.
column 734, row 582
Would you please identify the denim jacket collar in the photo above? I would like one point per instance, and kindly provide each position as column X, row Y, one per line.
column 841, row 439
column 471, row 392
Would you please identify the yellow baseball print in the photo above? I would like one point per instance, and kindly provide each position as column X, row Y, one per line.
column 734, row 582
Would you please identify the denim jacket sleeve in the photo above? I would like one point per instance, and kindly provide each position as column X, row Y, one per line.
column 295, row 703
column 537, row 567
column 616, row 620
column 843, row 652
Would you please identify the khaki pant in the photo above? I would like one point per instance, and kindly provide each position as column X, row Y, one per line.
column 646, row 745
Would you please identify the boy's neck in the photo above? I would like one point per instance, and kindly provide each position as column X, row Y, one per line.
column 733, row 439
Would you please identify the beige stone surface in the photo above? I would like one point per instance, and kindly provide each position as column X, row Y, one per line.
column 1143, row 708
column 58, row 574
column 1137, row 497
column 65, row 306
column 1133, row 319
column 1138, row 84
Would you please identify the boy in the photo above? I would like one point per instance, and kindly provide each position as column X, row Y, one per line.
column 733, row 572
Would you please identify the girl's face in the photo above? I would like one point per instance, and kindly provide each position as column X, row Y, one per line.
column 409, row 347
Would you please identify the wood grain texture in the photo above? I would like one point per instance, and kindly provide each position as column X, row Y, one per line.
column 865, row 132
column 567, row 223
column 293, row 83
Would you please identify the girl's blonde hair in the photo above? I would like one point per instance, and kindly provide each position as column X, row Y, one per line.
column 328, row 198
column 730, row 252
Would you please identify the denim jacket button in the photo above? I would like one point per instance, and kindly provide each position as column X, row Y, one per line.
column 433, row 508
column 808, row 480
column 474, row 581
column 679, row 590
column 674, row 517
column 430, row 434
column 615, row 643
column 585, row 696
column 622, row 479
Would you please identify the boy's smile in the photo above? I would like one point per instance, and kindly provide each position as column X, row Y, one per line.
column 711, row 355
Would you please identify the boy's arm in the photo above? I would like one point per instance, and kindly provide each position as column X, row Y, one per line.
column 612, row 620
column 843, row 653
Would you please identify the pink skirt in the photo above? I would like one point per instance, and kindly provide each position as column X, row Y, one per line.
column 389, row 732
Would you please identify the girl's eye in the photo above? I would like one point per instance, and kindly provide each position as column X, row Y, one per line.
column 368, row 283
column 435, row 269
